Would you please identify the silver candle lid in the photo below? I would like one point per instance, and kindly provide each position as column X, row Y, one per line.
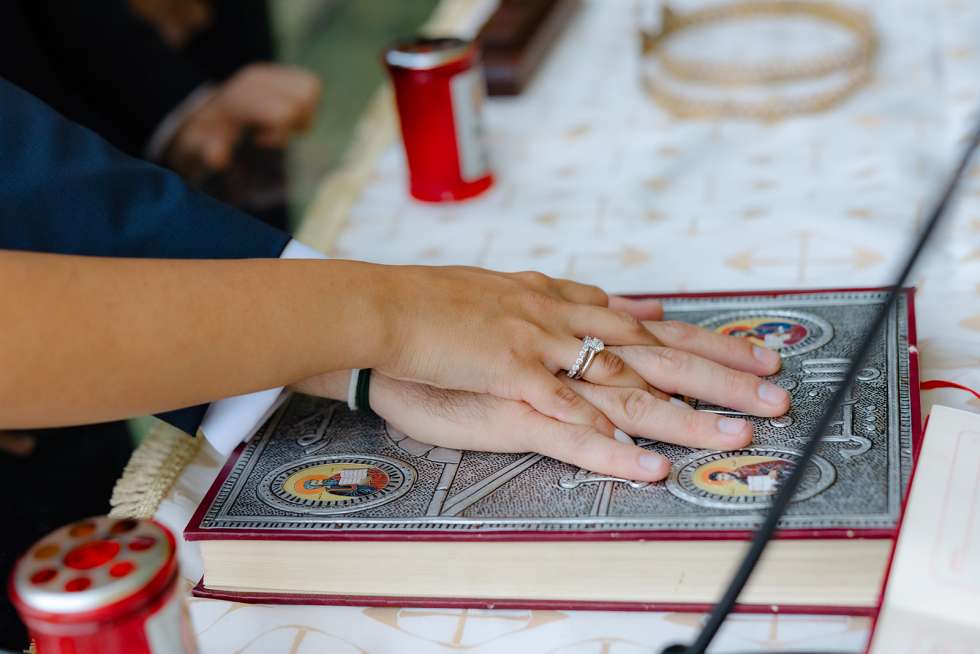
column 91, row 564
column 424, row 53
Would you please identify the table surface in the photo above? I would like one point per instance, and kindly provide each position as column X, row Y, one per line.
column 597, row 183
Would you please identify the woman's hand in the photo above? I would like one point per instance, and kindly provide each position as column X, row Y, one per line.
column 508, row 334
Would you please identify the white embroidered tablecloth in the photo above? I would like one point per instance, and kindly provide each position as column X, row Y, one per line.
column 596, row 183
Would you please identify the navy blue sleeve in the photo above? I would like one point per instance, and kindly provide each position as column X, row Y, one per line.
column 65, row 190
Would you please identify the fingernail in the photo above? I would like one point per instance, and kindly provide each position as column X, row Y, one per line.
column 676, row 401
column 772, row 394
column 653, row 463
column 731, row 425
column 623, row 437
column 765, row 355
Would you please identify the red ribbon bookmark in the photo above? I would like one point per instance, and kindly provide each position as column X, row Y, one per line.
column 933, row 384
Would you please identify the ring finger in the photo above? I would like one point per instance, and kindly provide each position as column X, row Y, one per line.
column 603, row 367
column 613, row 327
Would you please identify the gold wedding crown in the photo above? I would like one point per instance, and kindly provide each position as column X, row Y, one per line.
column 835, row 76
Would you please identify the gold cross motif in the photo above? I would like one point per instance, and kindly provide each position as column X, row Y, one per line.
column 751, row 259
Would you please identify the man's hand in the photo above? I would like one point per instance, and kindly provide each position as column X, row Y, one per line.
column 469, row 421
column 463, row 420
column 272, row 100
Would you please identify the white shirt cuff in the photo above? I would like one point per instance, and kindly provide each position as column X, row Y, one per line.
column 296, row 250
column 232, row 420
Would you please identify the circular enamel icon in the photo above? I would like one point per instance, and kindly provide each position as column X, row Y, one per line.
column 787, row 332
column 744, row 479
column 325, row 485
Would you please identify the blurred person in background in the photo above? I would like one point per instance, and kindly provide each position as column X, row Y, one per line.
column 189, row 84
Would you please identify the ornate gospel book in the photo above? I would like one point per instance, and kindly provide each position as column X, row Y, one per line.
column 328, row 506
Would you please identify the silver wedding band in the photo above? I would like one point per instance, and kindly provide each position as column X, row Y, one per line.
column 591, row 346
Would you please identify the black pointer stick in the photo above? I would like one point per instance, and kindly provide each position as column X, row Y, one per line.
column 765, row 532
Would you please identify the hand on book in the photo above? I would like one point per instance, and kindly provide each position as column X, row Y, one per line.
column 462, row 420
column 509, row 334
column 466, row 420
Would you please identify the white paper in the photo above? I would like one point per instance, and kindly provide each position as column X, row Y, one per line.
column 932, row 602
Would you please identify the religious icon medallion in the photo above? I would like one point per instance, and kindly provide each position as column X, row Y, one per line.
column 326, row 485
column 744, row 479
column 787, row 332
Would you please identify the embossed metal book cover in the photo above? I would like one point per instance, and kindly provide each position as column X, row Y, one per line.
column 316, row 470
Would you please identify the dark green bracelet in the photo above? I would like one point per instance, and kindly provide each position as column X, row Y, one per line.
column 363, row 393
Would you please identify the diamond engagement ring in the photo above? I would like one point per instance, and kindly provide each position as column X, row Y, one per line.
column 591, row 346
